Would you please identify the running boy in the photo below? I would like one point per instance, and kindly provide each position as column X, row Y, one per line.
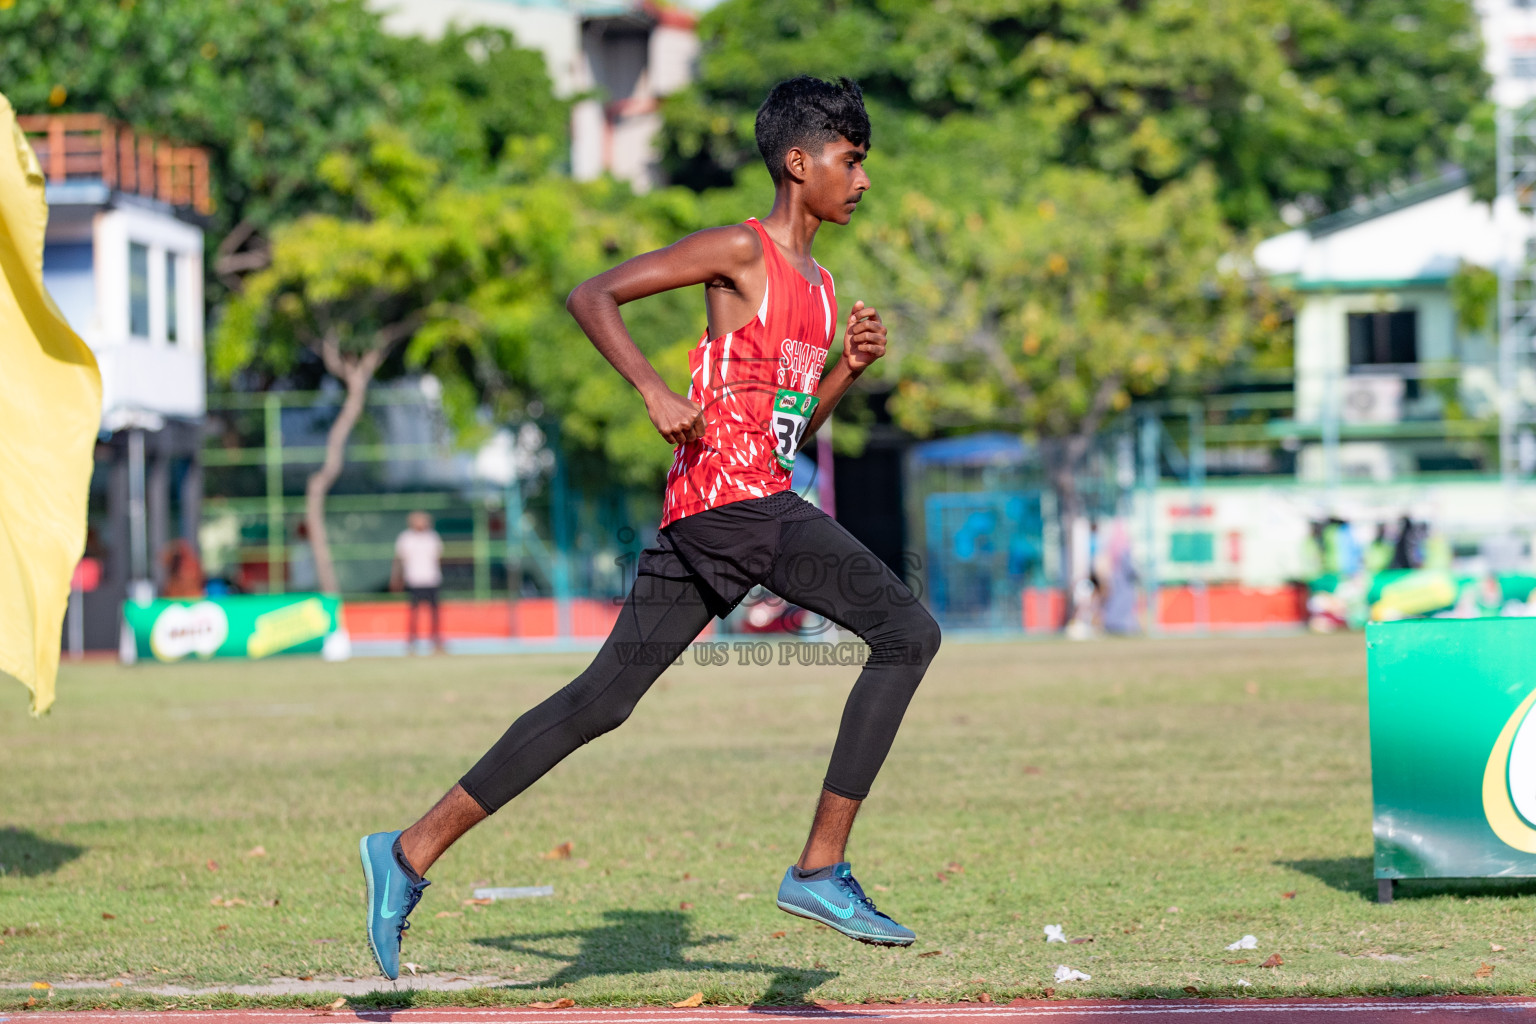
column 729, row 521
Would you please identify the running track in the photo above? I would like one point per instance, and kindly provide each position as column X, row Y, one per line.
column 1454, row 1010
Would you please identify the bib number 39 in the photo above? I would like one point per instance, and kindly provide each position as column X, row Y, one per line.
column 791, row 415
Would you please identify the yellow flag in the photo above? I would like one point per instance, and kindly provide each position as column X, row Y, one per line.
column 50, row 410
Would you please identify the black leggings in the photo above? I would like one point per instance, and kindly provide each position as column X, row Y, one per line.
column 820, row 567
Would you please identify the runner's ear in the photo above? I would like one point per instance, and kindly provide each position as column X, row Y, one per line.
column 796, row 162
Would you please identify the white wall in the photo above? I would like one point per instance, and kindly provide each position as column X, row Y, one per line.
column 1322, row 338
column 1264, row 525
column 148, row 373
column 635, row 73
column 551, row 28
column 674, row 59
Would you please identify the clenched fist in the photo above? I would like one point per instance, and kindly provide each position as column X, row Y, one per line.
column 864, row 339
column 675, row 418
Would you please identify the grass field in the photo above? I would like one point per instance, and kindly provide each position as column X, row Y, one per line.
column 1158, row 797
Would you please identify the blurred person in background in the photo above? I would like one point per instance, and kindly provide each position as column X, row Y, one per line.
column 183, row 571
column 1437, row 554
column 1379, row 555
column 418, row 567
column 1118, row 578
column 301, row 563
column 1406, row 553
column 1088, row 592
column 1341, row 551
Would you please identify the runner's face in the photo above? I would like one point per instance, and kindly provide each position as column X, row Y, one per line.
column 837, row 181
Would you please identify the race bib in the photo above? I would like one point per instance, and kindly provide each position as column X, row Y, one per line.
column 791, row 415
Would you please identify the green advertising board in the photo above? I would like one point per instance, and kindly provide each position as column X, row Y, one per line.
column 244, row 626
column 1453, row 748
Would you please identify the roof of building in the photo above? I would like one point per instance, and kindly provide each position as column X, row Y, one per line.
column 1368, row 208
column 1409, row 238
column 982, row 449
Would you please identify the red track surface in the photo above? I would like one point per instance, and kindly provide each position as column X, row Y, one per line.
column 1453, row 1010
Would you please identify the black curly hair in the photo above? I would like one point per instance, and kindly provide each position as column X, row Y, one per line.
column 809, row 112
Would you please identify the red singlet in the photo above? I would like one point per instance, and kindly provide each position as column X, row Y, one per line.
column 757, row 386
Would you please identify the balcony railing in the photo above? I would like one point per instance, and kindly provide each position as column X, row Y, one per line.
column 91, row 147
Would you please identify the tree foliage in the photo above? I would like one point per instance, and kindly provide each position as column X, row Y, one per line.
column 1049, row 315
column 1062, row 188
column 272, row 88
column 1054, row 230
column 1309, row 101
column 1052, row 314
column 465, row 281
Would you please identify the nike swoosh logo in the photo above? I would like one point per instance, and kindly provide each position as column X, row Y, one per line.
column 384, row 910
column 844, row 913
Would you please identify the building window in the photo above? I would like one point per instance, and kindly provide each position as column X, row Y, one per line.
column 1377, row 339
column 170, row 297
column 1386, row 339
column 138, row 290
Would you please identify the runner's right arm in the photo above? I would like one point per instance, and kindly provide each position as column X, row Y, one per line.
column 723, row 259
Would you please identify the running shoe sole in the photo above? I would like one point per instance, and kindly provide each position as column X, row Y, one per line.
column 867, row 939
column 362, row 853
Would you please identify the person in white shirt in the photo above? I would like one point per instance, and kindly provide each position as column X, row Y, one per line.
column 418, row 567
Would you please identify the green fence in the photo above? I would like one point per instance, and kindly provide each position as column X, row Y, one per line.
column 536, row 535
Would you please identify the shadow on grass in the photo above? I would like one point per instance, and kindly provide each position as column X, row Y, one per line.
column 646, row 941
column 26, row 854
column 1357, row 877
column 1353, row 875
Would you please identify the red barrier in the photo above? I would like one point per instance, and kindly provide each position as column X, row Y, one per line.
column 1045, row 610
column 533, row 617
column 1228, row 606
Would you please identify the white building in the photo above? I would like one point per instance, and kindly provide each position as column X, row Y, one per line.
column 631, row 53
column 1379, row 348
column 1397, row 390
column 123, row 259
column 1382, row 356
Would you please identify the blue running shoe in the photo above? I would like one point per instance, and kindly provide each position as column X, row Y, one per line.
column 391, row 898
column 838, row 901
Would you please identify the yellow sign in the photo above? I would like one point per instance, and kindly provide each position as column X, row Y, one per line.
column 288, row 627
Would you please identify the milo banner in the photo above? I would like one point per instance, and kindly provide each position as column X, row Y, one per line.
column 1453, row 747
column 255, row 626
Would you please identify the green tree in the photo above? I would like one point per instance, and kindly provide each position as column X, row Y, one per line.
column 1059, row 185
column 1050, row 313
column 271, row 88
column 465, row 281
column 1309, row 101
column 1475, row 297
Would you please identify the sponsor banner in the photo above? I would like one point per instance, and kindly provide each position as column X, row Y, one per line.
column 1453, row 747
column 254, row 626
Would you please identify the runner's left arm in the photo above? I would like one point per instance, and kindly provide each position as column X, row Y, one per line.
column 863, row 343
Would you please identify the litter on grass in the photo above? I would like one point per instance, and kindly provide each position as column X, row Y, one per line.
column 514, row 892
column 1246, row 942
column 1065, row 973
column 1244, row 983
column 1053, row 933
